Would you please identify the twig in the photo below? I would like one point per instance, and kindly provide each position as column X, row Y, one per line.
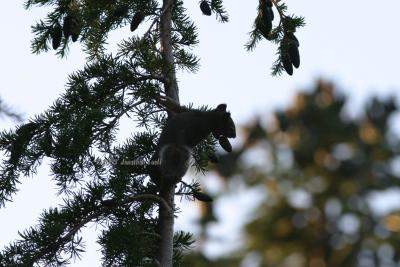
column 169, row 104
column 281, row 15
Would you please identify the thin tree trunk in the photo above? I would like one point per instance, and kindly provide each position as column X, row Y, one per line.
column 171, row 86
column 166, row 227
column 166, row 217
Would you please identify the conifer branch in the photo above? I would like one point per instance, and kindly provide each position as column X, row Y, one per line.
column 281, row 15
column 103, row 210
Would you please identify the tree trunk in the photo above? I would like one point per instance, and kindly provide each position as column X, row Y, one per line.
column 166, row 217
column 166, row 227
column 171, row 86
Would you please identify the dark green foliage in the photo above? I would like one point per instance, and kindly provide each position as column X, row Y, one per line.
column 182, row 241
column 90, row 22
column 212, row 157
column 200, row 153
column 126, row 242
column 67, row 26
column 23, row 136
column 136, row 20
column 103, row 180
column 218, row 9
column 85, row 119
column 46, row 143
column 95, row 19
column 205, row 8
column 120, row 11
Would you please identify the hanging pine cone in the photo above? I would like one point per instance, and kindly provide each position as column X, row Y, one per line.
column 294, row 50
column 205, row 8
column 285, row 57
column 264, row 19
column 71, row 27
column 137, row 18
column 56, row 36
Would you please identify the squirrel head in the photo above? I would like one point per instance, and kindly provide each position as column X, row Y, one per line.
column 224, row 125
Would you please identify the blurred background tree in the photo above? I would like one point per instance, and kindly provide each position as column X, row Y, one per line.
column 321, row 171
column 7, row 112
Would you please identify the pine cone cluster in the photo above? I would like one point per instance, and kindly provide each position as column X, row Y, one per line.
column 71, row 27
column 290, row 55
column 289, row 45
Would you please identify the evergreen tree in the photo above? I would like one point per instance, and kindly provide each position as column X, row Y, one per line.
column 98, row 177
column 321, row 174
column 7, row 112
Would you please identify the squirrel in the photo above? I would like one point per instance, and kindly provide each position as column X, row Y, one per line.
column 182, row 132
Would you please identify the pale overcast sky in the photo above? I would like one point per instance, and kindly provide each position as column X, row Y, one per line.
column 353, row 43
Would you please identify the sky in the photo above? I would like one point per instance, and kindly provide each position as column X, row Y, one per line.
column 352, row 43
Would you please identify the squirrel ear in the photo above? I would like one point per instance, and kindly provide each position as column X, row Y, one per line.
column 221, row 107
